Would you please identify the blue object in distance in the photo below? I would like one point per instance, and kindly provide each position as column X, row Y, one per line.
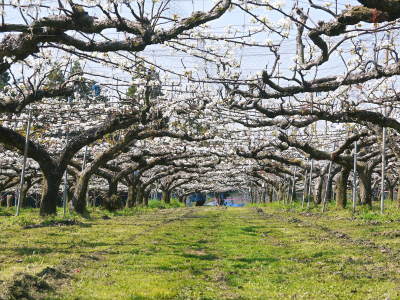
column 96, row 89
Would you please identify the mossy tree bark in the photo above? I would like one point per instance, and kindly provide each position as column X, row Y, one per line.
column 146, row 196
column 398, row 195
column 50, row 195
column 132, row 191
column 112, row 188
column 140, row 196
column 25, row 189
column 270, row 194
column 318, row 190
column 182, row 198
column 329, row 187
column 9, row 200
column 78, row 203
column 391, row 193
column 365, row 175
column 166, row 196
column 281, row 193
column 391, row 184
column 341, row 188
column 293, row 191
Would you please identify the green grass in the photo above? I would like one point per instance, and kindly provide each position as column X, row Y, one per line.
column 208, row 253
column 162, row 205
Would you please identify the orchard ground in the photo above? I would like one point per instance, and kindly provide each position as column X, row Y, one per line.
column 271, row 252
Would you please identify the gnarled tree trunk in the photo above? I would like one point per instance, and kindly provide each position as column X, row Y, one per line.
column 25, row 189
column 78, row 203
column 146, row 196
column 140, row 195
column 365, row 187
column 341, row 188
column 329, row 189
column 391, row 192
column 270, row 194
column 181, row 198
column 318, row 190
column 9, row 200
column 112, row 188
column 132, row 193
column 50, row 196
column 293, row 191
column 166, row 196
column 398, row 195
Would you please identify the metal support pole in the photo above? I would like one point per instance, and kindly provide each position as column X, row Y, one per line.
column 22, row 181
column 65, row 193
column 383, row 170
column 355, row 178
column 326, row 187
column 83, row 168
column 84, row 158
column 293, row 186
column 287, row 192
column 309, row 184
column 304, row 189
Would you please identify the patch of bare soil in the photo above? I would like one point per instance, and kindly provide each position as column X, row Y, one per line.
column 390, row 234
column 197, row 252
column 293, row 220
column 25, row 286
column 310, row 214
column 55, row 223
column 261, row 212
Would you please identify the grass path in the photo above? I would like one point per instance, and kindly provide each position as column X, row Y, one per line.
column 209, row 253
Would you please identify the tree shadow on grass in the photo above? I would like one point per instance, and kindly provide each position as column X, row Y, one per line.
column 90, row 244
column 196, row 271
column 137, row 297
column 247, row 263
column 32, row 250
column 74, row 247
column 257, row 259
column 200, row 256
column 57, row 223
column 251, row 230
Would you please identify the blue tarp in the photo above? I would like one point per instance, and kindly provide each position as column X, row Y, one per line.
column 229, row 203
column 232, row 204
column 196, row 197
column 235, row 205
column 96, row 90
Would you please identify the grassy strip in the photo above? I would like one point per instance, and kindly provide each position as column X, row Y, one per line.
column 212, row 253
